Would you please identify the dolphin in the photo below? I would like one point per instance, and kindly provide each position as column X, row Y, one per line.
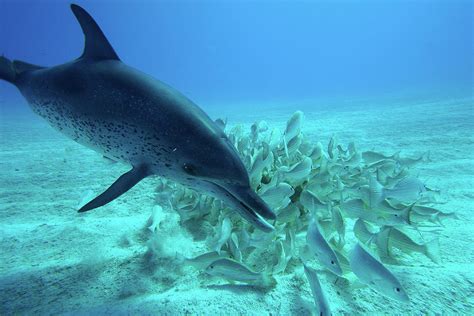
column 128, row 116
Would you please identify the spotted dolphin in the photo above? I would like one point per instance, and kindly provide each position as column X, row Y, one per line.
column 128, row 116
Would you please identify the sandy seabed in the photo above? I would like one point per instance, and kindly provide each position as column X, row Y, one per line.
column 56, row 261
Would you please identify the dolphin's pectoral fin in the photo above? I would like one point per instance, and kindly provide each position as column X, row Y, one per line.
column 119, row 187
column 97, row 46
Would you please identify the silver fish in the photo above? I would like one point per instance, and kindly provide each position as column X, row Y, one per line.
column 204, row 260
column 357, row 209
column 320, row 300
column 234, row 247
column 320, row 247
column 278, row 196
column 331, row 145
column 353, row 161
column 293, row 126
column 365, row 236
column 411, row 162
column 433, row 215
column 288, row 214
column 406, row 190
column 311, row 202
column 298, row 173
column 226, row 229
column 339, row 225
column 371, row 157
column 235, row 271
column 372, row 272
column 402, row 241
column 283, row 258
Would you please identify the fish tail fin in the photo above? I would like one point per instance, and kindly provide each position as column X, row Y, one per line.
column 396, row 155
column 371, row 239
column 7, row 70
column 405, row 215
column 432, row 250
column 285, row 146
column 268, row 281
column 376, row 192
column 409, row 215
column 436, row 219
column 180, row 258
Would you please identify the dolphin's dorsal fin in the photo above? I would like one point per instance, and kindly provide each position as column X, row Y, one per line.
column 96, row 44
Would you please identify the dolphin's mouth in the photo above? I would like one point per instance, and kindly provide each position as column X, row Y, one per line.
column 248, row 204
column 253, row 217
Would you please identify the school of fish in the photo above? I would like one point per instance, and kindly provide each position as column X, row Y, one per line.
column 347, row 212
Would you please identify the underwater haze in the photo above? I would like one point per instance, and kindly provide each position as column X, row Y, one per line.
column 239, row 51
column 331, row 173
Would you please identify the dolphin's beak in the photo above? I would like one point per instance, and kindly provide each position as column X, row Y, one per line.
column 248, row 204
column 251, row 199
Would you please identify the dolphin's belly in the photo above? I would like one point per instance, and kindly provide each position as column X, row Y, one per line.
column 121, row 140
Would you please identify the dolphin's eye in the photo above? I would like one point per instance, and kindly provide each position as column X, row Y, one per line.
column 397, row 289
column 332, row 261
column 189, row 169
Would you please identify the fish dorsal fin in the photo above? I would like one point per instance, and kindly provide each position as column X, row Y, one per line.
column 96, row 44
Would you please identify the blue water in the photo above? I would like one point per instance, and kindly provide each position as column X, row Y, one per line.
column 389, row 76
column 226, row 52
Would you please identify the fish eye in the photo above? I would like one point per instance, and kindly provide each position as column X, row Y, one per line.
column 189, row 169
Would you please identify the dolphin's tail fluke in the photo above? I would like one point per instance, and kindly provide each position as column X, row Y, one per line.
column 7, row 70
column 10, row 70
